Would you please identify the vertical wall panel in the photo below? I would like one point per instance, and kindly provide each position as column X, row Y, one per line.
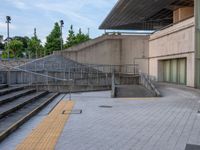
column 182, row 71
column 167, row 71
column 174, row 71
column 197, row 42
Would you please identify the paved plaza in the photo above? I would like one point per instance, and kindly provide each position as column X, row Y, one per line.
column 166, row 123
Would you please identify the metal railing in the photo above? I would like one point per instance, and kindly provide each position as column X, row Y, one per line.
column 146, row 81
column 15, row 75
column 45, row 73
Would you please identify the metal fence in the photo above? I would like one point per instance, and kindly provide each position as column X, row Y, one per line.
column 49, row 73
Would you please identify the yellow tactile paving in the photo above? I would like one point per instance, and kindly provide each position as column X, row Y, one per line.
column 46, row 134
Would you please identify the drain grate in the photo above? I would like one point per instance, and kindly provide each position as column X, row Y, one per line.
column 75, row 111
column 105, row 106
column 192, row 147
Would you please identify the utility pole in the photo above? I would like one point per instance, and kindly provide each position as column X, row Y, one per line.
column 61, row 39
column 8, row 21
column 35, row 36
column 88, row 32
column 35, row 32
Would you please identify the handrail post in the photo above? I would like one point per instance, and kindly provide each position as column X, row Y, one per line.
column 113, row 94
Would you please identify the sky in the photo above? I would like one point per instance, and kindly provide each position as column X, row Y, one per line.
column 42, row 14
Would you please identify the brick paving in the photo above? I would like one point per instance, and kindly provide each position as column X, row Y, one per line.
column 166, row 123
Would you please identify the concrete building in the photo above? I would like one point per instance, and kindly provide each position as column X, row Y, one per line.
column 170, row 54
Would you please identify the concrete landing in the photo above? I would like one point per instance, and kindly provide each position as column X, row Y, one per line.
column 167, row 123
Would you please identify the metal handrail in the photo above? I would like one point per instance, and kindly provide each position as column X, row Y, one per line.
column 145, row 81
column 35, row 73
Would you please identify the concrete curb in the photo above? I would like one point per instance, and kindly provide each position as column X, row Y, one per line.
column 26, row 118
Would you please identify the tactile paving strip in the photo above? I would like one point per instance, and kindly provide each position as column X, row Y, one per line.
column 46, row 134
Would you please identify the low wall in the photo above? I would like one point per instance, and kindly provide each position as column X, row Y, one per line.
column 112, row 50
column 68, row 88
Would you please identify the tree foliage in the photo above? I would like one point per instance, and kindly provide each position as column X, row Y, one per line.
column 14, row 47
column 25, row 41
column 71, row 39
column 74, row 39
column 81, row 37
column 53, row 40
column 34, row 49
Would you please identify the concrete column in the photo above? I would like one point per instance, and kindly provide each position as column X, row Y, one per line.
column 197, row 42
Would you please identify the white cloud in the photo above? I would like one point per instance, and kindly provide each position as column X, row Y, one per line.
column 20, row 4
column 73, row 9
column 70, row 12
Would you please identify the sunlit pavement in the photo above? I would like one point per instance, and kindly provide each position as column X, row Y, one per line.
column 166, row 123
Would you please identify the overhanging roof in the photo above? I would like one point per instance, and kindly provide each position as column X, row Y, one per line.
column 143, row 14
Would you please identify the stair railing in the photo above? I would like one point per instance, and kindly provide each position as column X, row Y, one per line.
column 31, row 75
column 147, row 82
column 46, row 74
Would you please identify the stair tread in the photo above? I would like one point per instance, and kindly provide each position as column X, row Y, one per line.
column 9, row 88
column 18, row 101
column 10, row 95
column 12, row 118
column 2, row 86
column 133, row 91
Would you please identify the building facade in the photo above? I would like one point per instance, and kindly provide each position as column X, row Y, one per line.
column 174, row 46
column 171, row 53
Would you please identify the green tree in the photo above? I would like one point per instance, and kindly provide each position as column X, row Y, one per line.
column 35, row 49
column 81, row 37
column 13, row 47
column 71, row 39
column 25, row 41
column 53, row 40
column 74, row 39
column 6, row 53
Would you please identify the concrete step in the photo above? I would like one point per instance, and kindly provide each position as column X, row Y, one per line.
column 19, row 103
column 10, row 90
column 14, row 120
column 14, row 95
column 3, row 86
column 133, row 91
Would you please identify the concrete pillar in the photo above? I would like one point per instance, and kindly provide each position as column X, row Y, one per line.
column 197, row 42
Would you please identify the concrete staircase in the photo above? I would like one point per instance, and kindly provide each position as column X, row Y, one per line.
column 125, row 91
column 50, row 63
column 18, row 104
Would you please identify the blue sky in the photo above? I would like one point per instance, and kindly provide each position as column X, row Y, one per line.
column 42, row 14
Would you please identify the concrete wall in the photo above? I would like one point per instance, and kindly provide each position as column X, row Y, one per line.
column 135, row 50
column 105, row 52
column 176, row 41
column 182, row 13
column 112, row 49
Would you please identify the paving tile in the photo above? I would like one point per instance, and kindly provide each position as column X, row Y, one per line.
column 133, row 124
